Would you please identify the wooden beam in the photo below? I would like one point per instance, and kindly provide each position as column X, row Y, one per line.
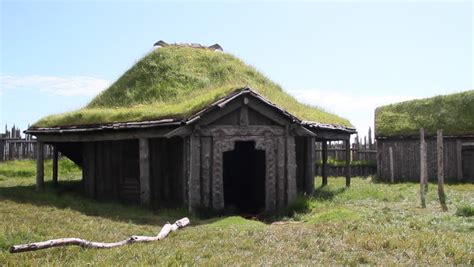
column 328, row 135
column 302, row 131
column 309, row 173
column 144, row 150
column 40, row 166
column 441, row 194
column 267, row 111
column 108, row 135
column 55, row 166
column 348, row 163
column 324, row 170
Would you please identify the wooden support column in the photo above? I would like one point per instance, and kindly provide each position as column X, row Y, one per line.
column 441, row 194
column 144, row 151
column 194, row 174
column 348, row 162
column 40, row 166
column 291, row 168
column 55, row 166
column 309, row 173
column 324, row 170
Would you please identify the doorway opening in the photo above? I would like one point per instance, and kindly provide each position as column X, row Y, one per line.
column 244, row 178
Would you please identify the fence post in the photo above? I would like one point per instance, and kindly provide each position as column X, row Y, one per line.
column 348, row 162
column 423, row 170
column 441, row 194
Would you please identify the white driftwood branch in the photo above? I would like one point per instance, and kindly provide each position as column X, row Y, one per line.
column 167, row 228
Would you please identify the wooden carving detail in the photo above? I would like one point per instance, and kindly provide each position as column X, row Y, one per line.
column 223, row 144
column 281, row 186
column 234, row 131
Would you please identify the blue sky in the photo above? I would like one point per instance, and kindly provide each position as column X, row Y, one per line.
column 347, row 57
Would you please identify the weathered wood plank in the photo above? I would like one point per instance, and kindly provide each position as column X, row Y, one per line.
column 281, row 186
column 348, row 163
column 423, row 171
column 392, row 173
column 459, row 160
column 324, row 171
column 206, row 150
column 291, row 168
column 441, row 194
column 194, row 175
column 40, row 167
column 144, row 150
column 55, row 166
column 309, row 166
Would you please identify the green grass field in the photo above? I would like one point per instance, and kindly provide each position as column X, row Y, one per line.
column 369, row 223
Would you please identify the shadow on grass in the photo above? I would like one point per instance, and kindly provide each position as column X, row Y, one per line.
column 68, row 196
column 325, row 193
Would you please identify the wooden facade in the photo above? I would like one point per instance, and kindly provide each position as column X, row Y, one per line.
column 458, row 159
column 241, row 152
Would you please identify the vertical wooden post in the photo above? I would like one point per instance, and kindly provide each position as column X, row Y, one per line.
column 194, row 174
column 291, row 168
column 324, row 170
column 459, row 159
column 55, row 166
column 309, row 173
column 392, row 172
column 441, row 194
column 144, row 151
column 348, row 162
column 423, row 170
column 370, row 138
column 40, row 166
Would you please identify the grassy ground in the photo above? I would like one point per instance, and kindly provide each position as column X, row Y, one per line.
column 176, row 82
column 367, row 224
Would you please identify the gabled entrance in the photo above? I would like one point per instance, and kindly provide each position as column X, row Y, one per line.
column 244, row 178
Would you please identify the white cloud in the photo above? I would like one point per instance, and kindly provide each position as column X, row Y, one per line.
column 359, row 109
column 64, row 86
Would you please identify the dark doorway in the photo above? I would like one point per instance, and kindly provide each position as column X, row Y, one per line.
column 244, row 178
column 468, row 164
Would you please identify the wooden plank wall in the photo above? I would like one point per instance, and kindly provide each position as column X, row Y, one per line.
column 112, row 170
column 166, row 173
column 406, row 157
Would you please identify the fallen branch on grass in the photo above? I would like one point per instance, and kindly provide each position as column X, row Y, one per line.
column 167, row 228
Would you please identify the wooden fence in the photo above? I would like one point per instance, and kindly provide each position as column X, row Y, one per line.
column 363, row 157
column 14, row 145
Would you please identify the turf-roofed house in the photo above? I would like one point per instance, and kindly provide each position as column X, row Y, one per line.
column 192, row 126
column 397, row 128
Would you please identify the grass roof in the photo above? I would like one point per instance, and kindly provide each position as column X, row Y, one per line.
column 175, row 82
column 454, row 114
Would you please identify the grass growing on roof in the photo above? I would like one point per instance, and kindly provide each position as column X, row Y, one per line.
column 452, row 113
column 175, row 82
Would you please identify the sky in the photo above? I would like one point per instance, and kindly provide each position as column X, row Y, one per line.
column 347, row 57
